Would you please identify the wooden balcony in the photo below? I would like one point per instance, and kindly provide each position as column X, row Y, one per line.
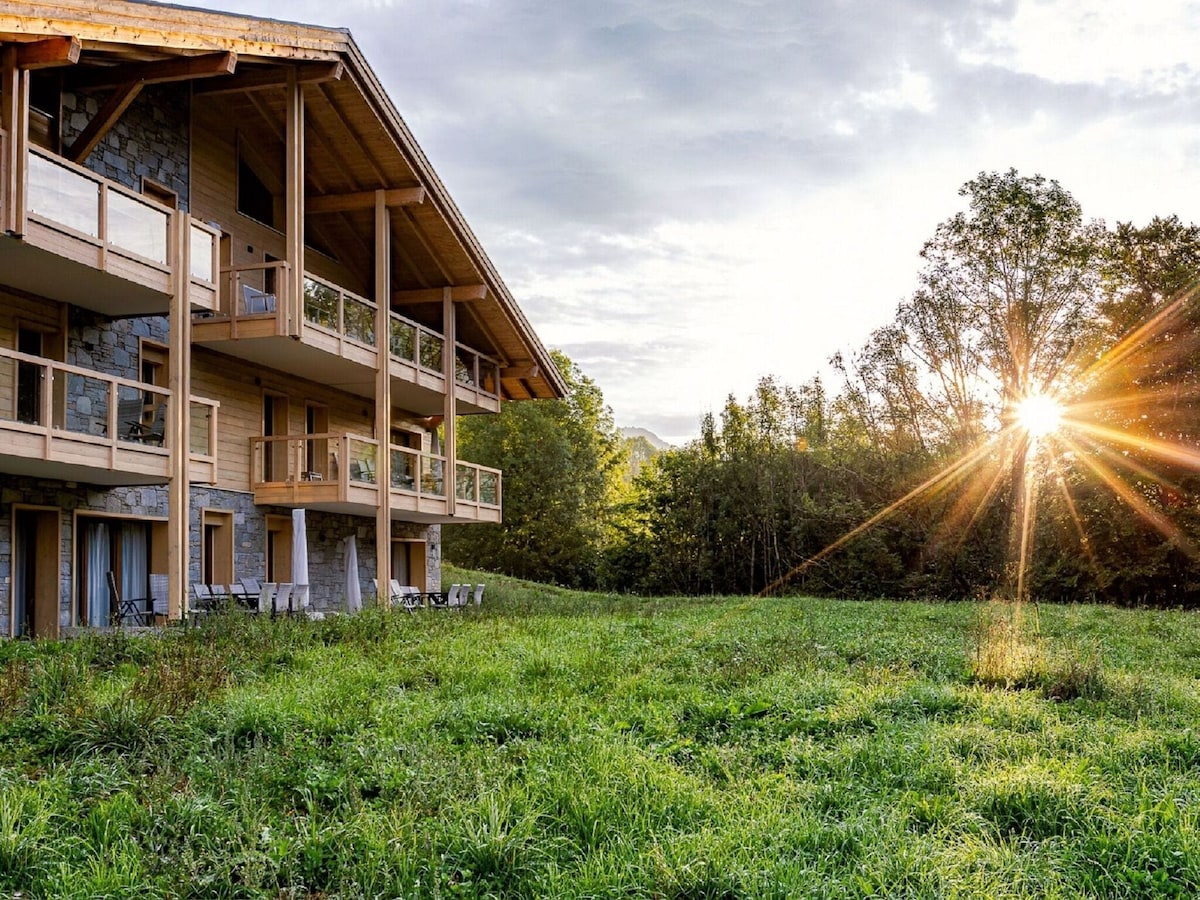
column 98, row 245
column 65, row 423
column 337, row 473
column 337, row 342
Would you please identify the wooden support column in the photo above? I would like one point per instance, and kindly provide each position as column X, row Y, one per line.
column 294, row 198
column 179, row 328
column 14, row 119
column 450, row 450
column 383, row 395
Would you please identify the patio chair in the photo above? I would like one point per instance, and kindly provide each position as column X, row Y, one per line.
column 159, row 589
column 411, row 597
column 300, row 598
column 257, row 302
column 129, row 415
column 126, row 611
column 478, row 594
column 283, row 598
column 250, row 587
column 450, row 598
column 202, row 601
column 153, row 433
column 266, row 597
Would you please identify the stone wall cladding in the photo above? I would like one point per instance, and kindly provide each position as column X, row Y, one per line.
column 109, row 347
column 327, row 533
column 150, row 140
column 67, row 497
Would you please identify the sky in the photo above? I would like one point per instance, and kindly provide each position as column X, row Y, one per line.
column 688, row 195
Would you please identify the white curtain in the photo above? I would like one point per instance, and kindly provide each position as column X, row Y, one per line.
column 98, row 558
column 135, row 562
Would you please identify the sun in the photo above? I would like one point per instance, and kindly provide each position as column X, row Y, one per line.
column 1039, row 415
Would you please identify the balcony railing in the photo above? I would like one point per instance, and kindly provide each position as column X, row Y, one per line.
column 476, row 372
column 415, row 345
column 338, row 312
column 476, row 486
column 419, row 474
column 89, row 207
column 204, row 242
column 304, row 469
column 316, row 459
column 97, row 420
column 256, row 291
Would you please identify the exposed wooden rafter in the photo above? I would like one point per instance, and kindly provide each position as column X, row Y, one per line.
column 104, row 119
column 274, row 77
column 128, row 81
column 461, row 293
column 529, row 370
column 330, row 203
column 55, row 51
column 180, row 68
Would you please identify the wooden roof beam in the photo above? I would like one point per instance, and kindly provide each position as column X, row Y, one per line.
column 460, row 293
column 182, row 68
column 529, row 370
column 330, row 203
column 262, row 78
column 104, row 119
column 55, row 51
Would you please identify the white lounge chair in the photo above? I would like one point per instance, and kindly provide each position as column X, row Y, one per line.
column 266, row 597
column 478, row 594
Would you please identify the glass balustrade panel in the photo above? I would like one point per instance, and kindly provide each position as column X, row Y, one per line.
column 431, row 352
column 199, row 429
column 403, row 340
column 64, row 196
column 136, row 227
column 320, row 304
column 404, row 469
column 464, row 482
column 432, row 476
column 489, row 488
column 362, row 462
column 201, row 252
column 360, row 321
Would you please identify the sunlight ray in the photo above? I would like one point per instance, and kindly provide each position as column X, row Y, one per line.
column 1138, row 503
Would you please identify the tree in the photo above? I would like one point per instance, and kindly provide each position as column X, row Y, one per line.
column 562, row 462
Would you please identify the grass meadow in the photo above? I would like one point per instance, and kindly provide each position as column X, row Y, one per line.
column 559, row 744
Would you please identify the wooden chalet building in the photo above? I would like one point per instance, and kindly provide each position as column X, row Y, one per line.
column 231, row 285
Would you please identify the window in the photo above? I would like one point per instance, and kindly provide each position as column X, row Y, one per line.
column 119, row 546
column 160, row 193
column 254, row 198
column 216, row 550
column 45, row 100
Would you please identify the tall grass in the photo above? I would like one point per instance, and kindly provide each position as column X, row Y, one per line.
column 560, row 744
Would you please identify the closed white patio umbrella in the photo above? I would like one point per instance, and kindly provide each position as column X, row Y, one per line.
column 299, row 560
column 353, row 588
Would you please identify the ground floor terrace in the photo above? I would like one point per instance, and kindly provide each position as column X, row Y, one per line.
column 70, row 554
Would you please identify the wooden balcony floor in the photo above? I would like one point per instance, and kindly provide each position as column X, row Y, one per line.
column 27, row 267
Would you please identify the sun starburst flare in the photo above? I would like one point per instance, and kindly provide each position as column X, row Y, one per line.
column 1040, row 415
column 1107, row 425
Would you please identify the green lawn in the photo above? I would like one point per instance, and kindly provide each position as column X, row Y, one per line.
column 554, row 744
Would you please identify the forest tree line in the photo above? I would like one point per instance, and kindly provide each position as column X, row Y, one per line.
column 1017, row 295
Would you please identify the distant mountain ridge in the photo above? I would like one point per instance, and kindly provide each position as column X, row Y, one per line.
column 653, row 439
